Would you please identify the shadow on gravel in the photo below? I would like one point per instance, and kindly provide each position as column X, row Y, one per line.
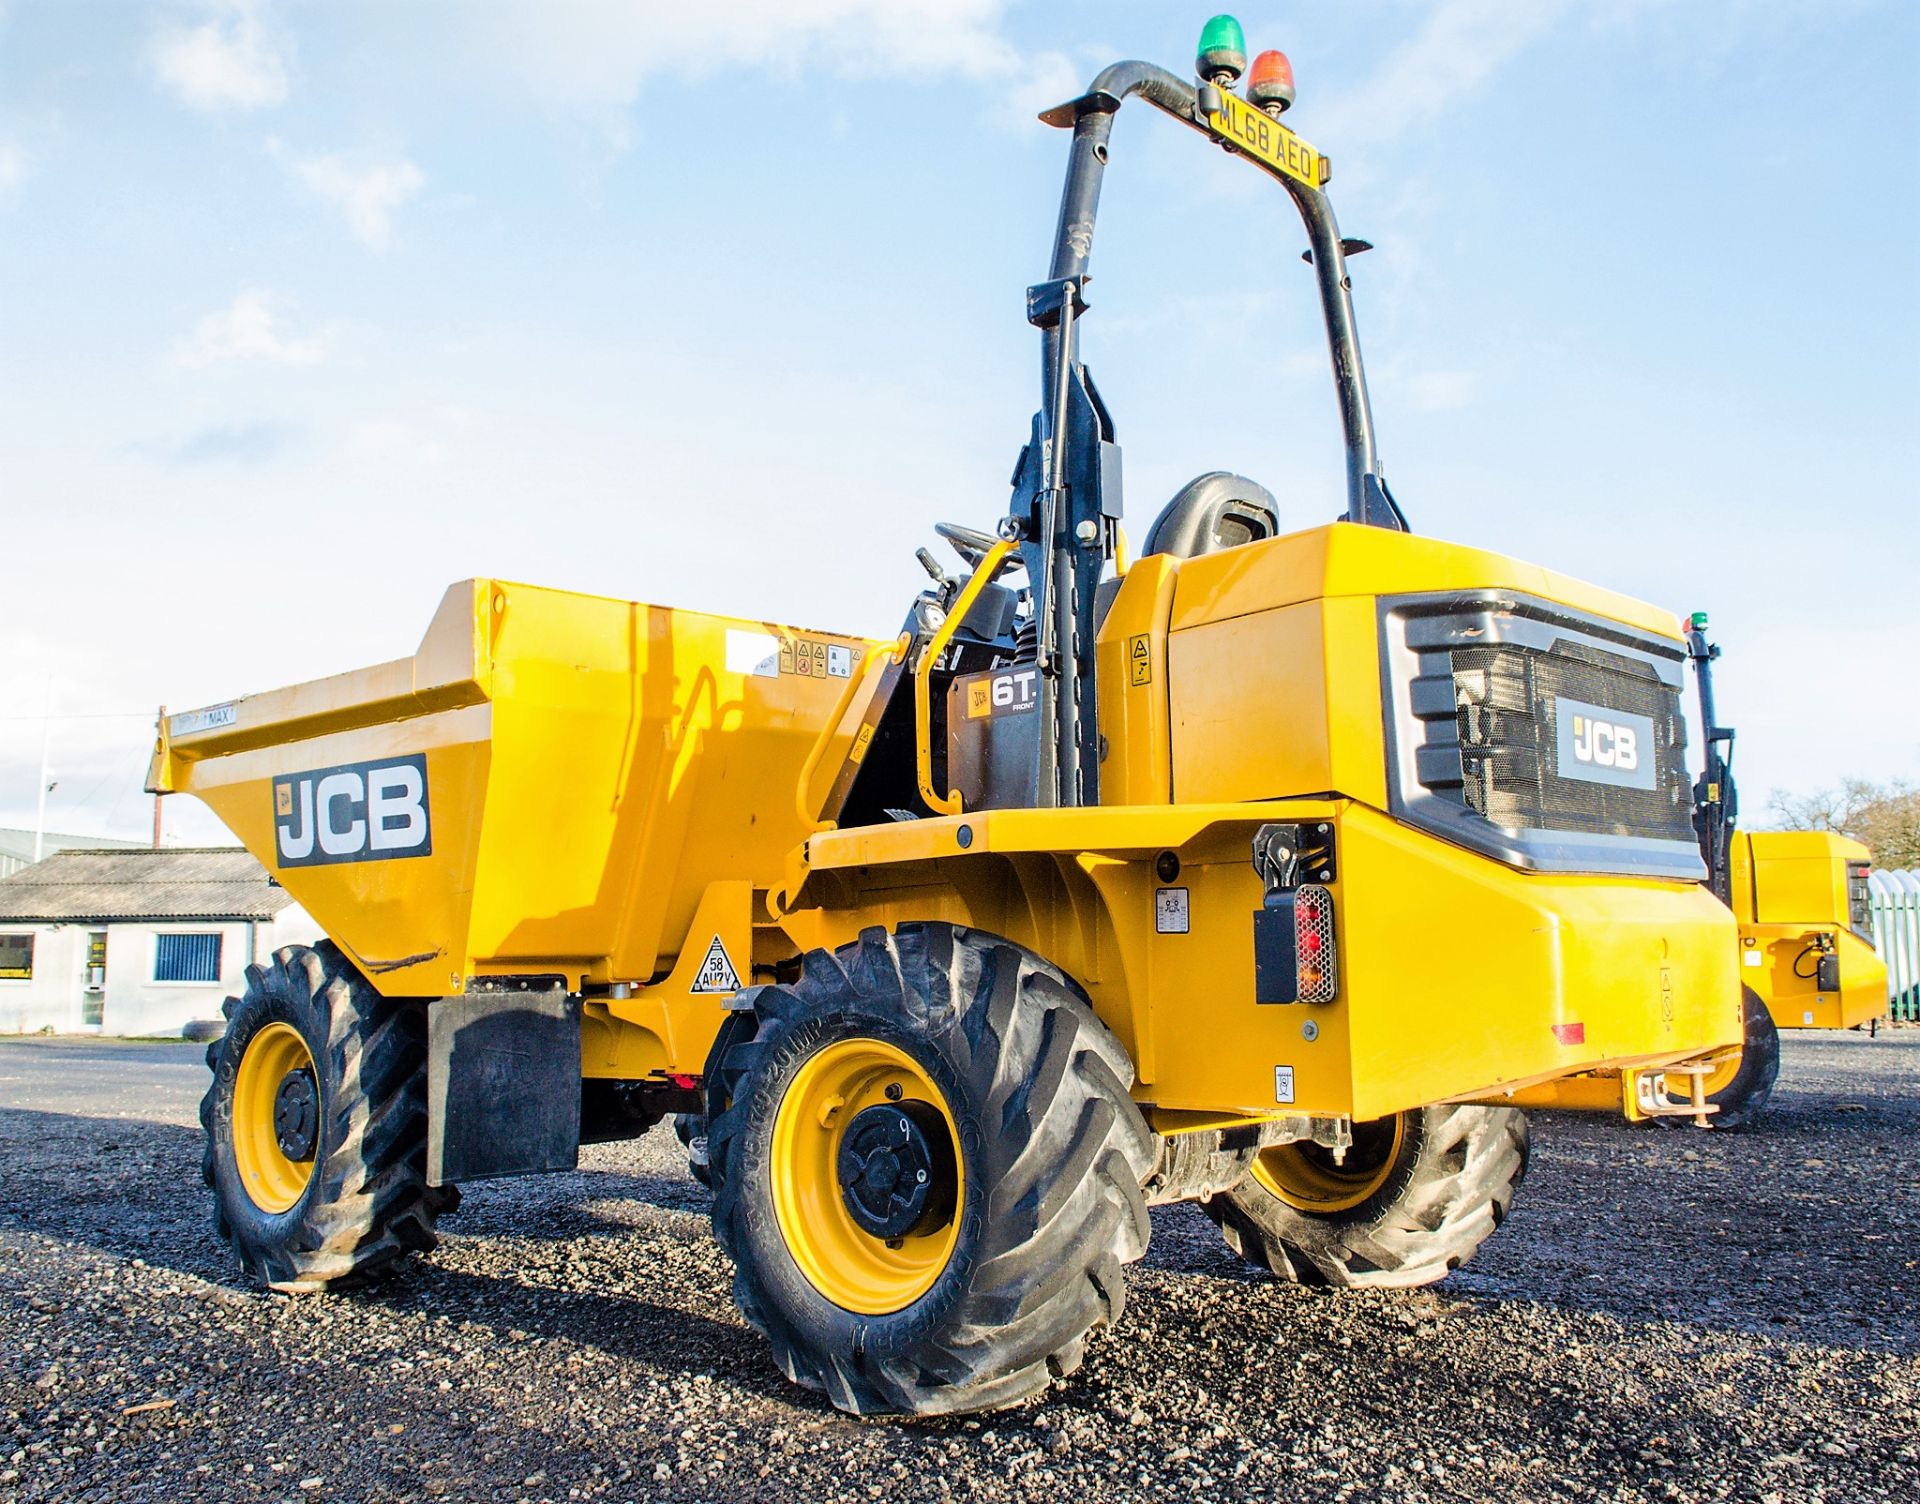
column 661, row 1340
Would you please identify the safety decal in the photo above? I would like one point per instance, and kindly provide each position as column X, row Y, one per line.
column 716, row 971
column 1140, row 659
column 1283, row 1084
column 811, row 658
column 1170, row 911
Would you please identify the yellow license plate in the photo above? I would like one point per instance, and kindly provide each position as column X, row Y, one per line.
column 1258, row 134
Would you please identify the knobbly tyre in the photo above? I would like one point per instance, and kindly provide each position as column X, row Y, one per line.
column 1805, row 945
column 1240, row 873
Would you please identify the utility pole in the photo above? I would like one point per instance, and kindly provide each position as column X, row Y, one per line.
column 159, row 727
column 46, row 742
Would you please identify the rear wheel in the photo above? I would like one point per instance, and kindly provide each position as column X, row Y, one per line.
column 316, row 1124
column 1413, row 1197
column 928, row 1172
column 1742, row 1088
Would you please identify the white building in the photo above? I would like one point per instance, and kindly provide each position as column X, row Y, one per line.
column 136, row 942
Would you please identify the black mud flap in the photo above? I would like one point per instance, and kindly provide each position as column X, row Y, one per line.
column 503, row 1085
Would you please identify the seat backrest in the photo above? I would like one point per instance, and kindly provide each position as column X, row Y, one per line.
column 1211, row 512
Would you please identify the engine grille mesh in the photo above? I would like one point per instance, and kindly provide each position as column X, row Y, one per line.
column 1505, row 699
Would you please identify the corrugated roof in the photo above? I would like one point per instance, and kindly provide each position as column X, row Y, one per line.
column 19, row 843
column 178, row 882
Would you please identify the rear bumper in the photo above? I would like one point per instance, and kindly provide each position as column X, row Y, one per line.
column 1471, row 980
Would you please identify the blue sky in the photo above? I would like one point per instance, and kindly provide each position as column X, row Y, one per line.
column 307, row 310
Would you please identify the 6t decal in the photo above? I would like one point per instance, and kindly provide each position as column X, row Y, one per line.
column 360, row 812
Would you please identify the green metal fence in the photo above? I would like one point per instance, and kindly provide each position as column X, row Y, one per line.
column 1893, row 899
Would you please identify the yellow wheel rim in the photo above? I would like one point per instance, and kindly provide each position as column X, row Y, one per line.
column 1680, row 1088
column 1307, row 1177
column 850, row 1266
column 273, row 1181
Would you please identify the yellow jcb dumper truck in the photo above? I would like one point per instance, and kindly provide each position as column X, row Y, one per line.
column 1234, row 874
column 1805, row 943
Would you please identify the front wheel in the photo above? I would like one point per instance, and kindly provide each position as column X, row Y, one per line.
column 316, row 1124
column 927, row 1172
column 1413, row 1197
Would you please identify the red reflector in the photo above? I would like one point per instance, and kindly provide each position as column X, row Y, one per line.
column 1570, row 1033
column 1310, row 942
column 684, row 1083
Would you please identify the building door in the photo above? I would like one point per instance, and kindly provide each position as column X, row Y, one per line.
column 93, row 993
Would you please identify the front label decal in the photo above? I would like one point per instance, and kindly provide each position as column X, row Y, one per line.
column 716, row 971
column 1009, row 693
column 357, row 812
column 1283, row 1084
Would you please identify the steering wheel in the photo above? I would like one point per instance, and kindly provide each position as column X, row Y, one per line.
column 970, row 543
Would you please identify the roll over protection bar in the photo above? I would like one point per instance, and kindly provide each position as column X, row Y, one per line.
column 1091, row 119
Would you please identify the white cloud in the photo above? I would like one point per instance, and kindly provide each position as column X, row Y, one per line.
column 591, row 57
column 227, row 62
column 247, row 331
column 366, row 196
column 1462, row 44
column 13, row 166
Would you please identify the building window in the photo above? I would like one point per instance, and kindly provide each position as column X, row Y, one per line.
column 186, row 958
column 16, row 957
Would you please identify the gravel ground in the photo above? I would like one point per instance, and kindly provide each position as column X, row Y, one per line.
column 1667, row 1315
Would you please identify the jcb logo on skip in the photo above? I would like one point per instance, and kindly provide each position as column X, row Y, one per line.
column 359, row 812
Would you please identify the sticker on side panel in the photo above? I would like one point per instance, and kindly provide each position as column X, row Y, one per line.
column 1752, row 958
column 1014, row 692
column 1170, row 911
column 358, row 812
column 1140, row 659
column 210, row 719
column 716, row 971
column 1283, row 1084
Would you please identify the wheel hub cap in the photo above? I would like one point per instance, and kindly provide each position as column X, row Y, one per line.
column 296, row 1114
column 890, row 1176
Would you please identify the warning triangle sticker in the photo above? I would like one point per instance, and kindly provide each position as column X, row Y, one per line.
column 716, row 972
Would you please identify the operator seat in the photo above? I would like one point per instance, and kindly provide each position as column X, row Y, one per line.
column 1211, row 512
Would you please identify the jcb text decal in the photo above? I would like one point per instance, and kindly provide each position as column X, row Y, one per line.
column 361, row 812
column 1599, row 745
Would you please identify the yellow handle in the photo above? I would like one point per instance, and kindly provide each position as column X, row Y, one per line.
column 897, row 650
column 950, row 803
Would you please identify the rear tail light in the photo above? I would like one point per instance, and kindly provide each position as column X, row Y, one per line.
column 1295, row 954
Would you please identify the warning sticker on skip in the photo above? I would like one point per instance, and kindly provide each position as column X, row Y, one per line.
column 813, row 658
column 716, row 971
column 1283, row 1084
